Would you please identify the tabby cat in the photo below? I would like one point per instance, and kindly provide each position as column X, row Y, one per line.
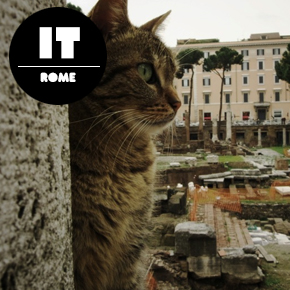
column 112, row 156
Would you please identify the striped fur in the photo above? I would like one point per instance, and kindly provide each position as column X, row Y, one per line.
column 112, row 156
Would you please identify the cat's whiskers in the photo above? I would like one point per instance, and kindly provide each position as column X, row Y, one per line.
column 94, row 117
column 127, row 120
column 144, row 123
column 104, row 122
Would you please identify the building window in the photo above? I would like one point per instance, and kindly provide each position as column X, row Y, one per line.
column 245, row 80
column 186, row 70
column 276, row 79
column 261, row 79
column 275, row 62
column 261, row 97
column 246, row 115
column 260, row 65
column 276, row 51
column 246, row 97
column 260, row 51
column 193, row 136
column 206, row 54
column 185, row 82
column 277, row 96
column 228, row 97
column 277, row 115
column 245, row 65
column 206, row 98
column 245, row 52
column 207, row 116
column 206, row 81
column 228, row 81
column 185, row 99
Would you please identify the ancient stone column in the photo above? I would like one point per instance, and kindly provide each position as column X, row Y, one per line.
column 284, row 137
column 259, row 138
column 35, row 205
column 200, row 120
column 200, row 127
column 214, row 130
column 229, row 124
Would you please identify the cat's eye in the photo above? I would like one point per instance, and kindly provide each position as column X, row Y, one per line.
column 147, row 73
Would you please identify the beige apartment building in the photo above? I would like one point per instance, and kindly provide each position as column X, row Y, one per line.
column 252, row 90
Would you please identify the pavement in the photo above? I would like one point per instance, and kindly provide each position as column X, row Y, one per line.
column 268, row 152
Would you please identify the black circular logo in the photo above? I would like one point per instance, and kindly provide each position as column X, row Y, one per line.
column 57, row 56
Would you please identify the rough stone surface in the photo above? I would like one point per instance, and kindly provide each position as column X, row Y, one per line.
column 177, row 203
column 204, row 267
column 281, row 164
column 264, row 211
column 35, row 210
column 195, row 239
column 212, row 159
column 240, row 267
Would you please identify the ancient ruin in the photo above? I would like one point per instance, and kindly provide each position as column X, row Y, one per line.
column 212, row 218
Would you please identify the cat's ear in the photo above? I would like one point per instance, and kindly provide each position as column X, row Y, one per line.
column 155, row 23
column 109, row 16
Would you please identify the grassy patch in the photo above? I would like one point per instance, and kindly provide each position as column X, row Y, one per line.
column 279, row 149
column 230, row 158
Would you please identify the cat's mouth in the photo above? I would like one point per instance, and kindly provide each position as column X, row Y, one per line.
column 154, row 125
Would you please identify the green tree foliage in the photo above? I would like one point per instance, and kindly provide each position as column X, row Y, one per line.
column 283, row 67
column 72, row 6
column 187, row 59
column 219, row 63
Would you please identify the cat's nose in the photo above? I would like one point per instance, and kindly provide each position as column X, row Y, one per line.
column 175, row 106
column 173, row 99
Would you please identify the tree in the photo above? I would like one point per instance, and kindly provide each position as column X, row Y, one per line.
column 219, row 63
column 283, row 67
column 72, row 6
column 187, row 59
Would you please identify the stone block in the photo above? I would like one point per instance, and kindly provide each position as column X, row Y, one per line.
column 239, row 267
column 195, row 239
column 283, row 190
column 191, row 161
column 174, row 164
column 249, row 249
column 281, row 164
column 177, row 203
column 212, row 159
column 169, row 240
column 269, row 227
column 204, row 267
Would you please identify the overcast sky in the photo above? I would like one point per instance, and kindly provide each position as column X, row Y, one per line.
column 227, row 20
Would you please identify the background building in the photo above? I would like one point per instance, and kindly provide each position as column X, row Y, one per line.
column 252, row 90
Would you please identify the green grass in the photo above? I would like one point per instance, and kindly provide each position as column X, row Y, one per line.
column 230, row 158
column 279, row 149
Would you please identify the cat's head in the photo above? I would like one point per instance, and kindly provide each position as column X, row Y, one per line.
column 138, row 78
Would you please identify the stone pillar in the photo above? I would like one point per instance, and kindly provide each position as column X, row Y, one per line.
column 284, row 137
column 259, row 138
column 195, row 95
column 229, row 124
column 214, row 130
column 200, row 127
column 35, row 205
column 187, row 126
